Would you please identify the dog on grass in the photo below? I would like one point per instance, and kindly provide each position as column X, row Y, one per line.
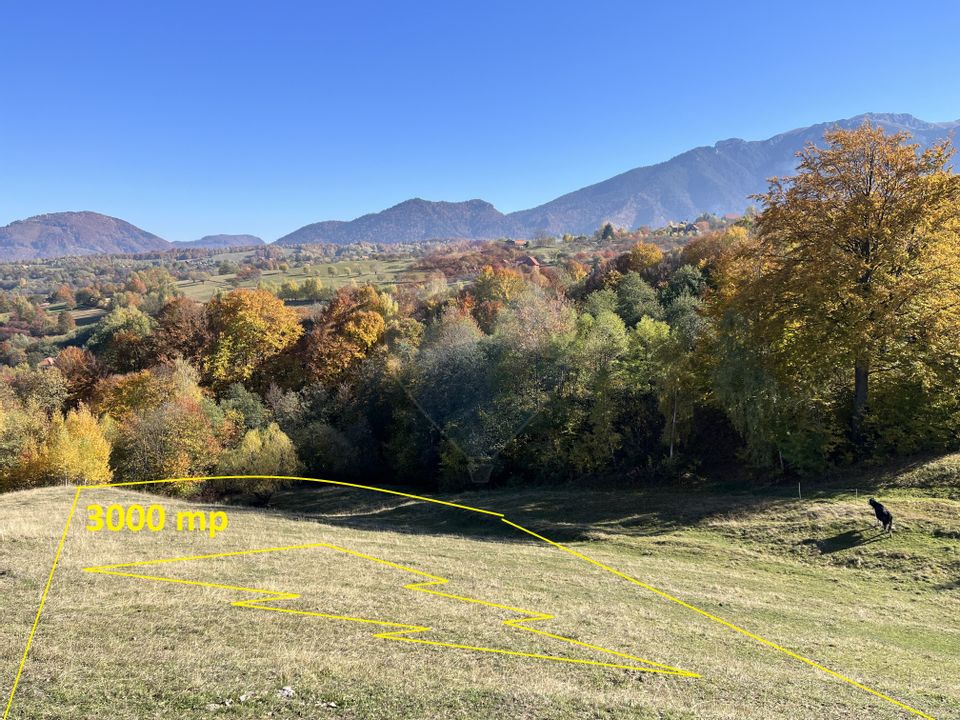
column 884, row 516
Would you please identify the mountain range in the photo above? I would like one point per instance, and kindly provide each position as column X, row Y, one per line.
column 718, row 179
column 221, row 241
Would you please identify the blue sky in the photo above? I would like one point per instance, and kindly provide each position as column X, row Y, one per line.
column 191, row 118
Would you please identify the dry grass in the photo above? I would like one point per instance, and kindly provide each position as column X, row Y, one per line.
column 882, row 612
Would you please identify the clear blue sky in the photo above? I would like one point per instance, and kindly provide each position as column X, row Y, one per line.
column 191, row 118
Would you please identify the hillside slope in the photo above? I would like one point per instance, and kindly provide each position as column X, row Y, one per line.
column 718, row 179
column 814, row 575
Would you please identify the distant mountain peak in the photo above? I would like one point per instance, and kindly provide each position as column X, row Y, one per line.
column 412, row 220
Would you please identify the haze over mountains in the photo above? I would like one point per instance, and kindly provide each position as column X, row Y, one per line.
column 718, row 179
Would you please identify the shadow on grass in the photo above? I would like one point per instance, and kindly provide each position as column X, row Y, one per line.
column 562, row 515
column 847, row 540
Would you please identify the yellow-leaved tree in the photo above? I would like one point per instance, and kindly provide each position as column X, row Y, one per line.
column 77, row 449
column 264, row 454
column 247, row 327
column 854, row 274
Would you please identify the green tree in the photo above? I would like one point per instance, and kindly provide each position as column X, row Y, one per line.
column 65, row 323
column 636, row 299
column 262, row 453
column 248, row 405
column 119, row 340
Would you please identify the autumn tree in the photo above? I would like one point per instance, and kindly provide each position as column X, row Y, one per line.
column 492, row 290
column 122, row 395
column 856, row 266
column 119, row 340
column 641, row 256
column 77, row 450
column 577, row 270
column 80, row 370
column 247, row 327
column 65, row 323
column 88, row 296
column 344, row 332
column 312, row 289
column 181, row 331
column 172, row 440
column 708, row 250
column 262, row 453
column 41, row 389
column 23, row 431
column 65, row 295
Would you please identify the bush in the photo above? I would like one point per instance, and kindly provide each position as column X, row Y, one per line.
column 261, row 453
column 173, row 440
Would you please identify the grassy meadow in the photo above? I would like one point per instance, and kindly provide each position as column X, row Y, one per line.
column 813, row 575
column 332, row 274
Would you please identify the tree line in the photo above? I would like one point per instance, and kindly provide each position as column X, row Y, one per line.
column 820, row 331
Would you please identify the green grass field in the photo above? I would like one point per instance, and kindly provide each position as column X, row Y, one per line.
column 332, row 275
column 812, row 575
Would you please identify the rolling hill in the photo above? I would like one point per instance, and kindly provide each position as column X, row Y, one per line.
column 74, row 233
column 814, row 575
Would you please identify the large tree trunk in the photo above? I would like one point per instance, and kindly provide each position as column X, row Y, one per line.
column 861, row 395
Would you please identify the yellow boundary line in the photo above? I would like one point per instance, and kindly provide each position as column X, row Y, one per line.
column 574, row 553
column 43, row 601
column 405, row 629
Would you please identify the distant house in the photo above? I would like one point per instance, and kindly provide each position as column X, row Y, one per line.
column 518, row 243
column 682, row 228
column 47, row 362
column 529, row 261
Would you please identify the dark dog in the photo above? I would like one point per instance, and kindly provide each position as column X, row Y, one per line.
column 884, row 516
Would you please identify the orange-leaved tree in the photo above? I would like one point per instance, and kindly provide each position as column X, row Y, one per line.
column 345, row 331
